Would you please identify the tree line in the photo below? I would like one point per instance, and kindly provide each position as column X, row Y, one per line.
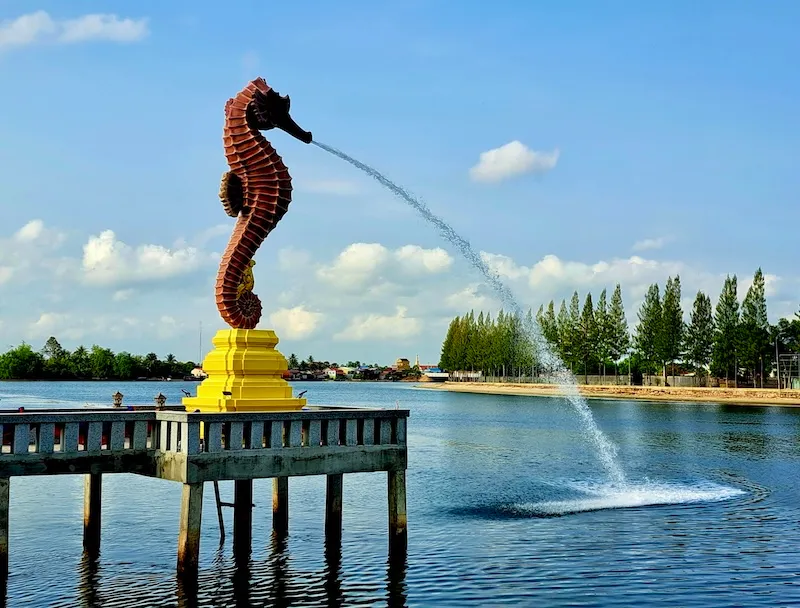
column 732, row 340
column 313, row 365
column 54, row 362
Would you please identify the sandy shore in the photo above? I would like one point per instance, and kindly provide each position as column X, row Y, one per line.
column 739, row 396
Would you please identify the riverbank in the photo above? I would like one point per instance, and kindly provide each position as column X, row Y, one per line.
column 737, row 396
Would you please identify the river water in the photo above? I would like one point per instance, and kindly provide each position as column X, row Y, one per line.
column 507, row 505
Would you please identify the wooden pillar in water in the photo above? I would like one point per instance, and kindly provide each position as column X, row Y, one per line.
column 5, row 495
column 333, row 509
column 280, row 504
column 242, row 517
column 189, row 535
column 398, row 532
column 92, row 501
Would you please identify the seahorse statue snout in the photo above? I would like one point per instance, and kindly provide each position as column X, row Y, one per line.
column 256, row 190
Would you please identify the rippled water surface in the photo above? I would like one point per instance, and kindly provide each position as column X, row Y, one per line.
column 506, row 506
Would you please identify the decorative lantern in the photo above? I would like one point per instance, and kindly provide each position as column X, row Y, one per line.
column 160, row 400
column 117, row 397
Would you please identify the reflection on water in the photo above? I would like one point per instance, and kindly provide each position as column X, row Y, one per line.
column 243, row 583
column 506, row 505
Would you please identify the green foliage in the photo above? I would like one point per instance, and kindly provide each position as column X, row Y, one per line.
column 726, row 338
column 619, row 339
column 649, row 329
column 754, row 335
column 54, row 362
column 21, row 363
column 496, row 347
column 588, row 338
column 700, row 333
column 670, row 338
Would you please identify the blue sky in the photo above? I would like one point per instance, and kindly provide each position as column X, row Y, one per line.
column 673, row 125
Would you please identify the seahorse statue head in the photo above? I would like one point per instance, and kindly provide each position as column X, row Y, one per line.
column 270, row 110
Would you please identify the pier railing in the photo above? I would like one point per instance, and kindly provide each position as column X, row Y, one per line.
column 195, row 447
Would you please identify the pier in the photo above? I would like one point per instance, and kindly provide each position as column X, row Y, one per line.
column 193, row 448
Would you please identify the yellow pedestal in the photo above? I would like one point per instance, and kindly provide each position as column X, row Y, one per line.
column 245, row 364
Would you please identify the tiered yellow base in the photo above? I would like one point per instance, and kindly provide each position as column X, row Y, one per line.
column 245, row 373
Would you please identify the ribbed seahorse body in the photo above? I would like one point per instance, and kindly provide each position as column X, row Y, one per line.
column 265, row 190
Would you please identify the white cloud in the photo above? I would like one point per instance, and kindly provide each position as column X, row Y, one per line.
column 430, row 260
column 28, row 252
column 355, row 265
column 30, row 231
column 503, row 265
column 109, row 261
column 295, row 323
column 103, row 27
column 468, row 298
column 371, row 265
column 381, row 327
column 48, row 323
column 650, row 244
column 39, row 27
column 512, row 159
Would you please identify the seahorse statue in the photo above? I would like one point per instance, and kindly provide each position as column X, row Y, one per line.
column 257, row 190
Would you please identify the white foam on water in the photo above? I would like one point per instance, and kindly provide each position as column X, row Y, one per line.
column 628, row 496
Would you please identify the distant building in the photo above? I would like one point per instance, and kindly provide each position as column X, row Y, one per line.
column 435, row 374
column 334, row 372
column 198, row 373
column 402, row 365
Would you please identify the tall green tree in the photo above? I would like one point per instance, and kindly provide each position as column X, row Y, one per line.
column 648, row 331
column 126, row 367
column 56, row 360
column 619, row 339
column 700, row 333
column 564, row 333
column 79, row 363
column 602, row 319
column 724, row 360
column 574, row 331
column 588, row 333
column 670, row 340
column 549, row 324
column 755, row 329
column 293, row 362
column 101, row 361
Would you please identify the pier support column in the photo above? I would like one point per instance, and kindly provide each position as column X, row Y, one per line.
column 5, row 483
column 280, row 504
column 242, row 517
column 92, row 501
column 189, row 535
column 398, row 532
column 333, row 509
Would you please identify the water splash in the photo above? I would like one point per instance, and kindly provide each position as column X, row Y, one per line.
column 556, row 372
column 596, row 498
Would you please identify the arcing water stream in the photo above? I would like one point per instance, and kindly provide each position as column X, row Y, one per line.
column 557, row 372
